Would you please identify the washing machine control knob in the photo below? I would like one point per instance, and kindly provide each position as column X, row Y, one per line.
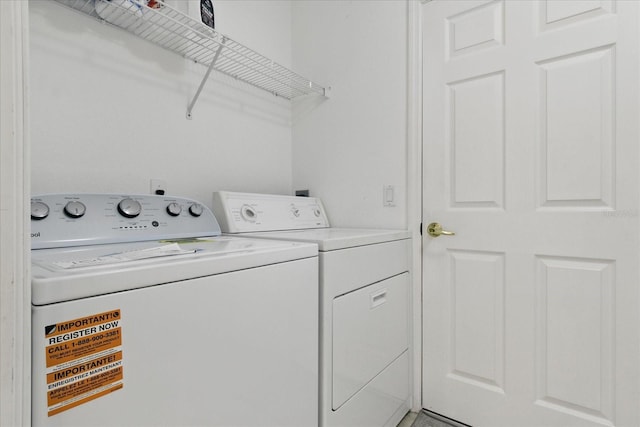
column 39, row 210
column 316, row 212
column 295, row 211
column 129, row 208
column 196, row 210
column 174, row 209
column 75, row 209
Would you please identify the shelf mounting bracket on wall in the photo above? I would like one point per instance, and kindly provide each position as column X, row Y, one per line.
column 205, row 78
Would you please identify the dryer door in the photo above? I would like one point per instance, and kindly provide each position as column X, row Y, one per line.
column 370, row 331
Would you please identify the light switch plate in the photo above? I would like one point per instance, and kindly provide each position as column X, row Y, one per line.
column 388, row 196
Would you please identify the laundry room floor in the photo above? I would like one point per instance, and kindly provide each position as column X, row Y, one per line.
column 424, row 419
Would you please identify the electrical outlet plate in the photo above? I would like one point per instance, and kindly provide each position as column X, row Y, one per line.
column 158, row 185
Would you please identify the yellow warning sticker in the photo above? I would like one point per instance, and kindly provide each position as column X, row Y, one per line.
column 83, row 360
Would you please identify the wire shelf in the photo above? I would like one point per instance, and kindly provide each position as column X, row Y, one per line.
column 173, row 30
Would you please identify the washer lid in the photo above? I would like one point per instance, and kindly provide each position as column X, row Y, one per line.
column 64, row 274
column 329, row 239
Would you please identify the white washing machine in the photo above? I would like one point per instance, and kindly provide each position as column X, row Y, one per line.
column 364, row 303
column 143, row 315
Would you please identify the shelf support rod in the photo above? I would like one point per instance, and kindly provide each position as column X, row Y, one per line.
column 206, row 77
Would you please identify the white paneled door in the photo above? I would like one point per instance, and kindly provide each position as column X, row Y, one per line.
column 530, row 142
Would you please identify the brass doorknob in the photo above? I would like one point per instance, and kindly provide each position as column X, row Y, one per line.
column 435, row 229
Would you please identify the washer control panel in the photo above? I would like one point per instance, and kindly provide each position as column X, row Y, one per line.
column 62, row 220
column 249, row 212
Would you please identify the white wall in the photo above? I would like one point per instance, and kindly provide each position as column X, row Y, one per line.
column 108, row 109
column 347, row 147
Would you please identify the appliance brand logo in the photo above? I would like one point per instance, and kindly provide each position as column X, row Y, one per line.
column 36, row 234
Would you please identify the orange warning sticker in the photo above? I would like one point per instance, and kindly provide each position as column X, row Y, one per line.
column 73, row 403
column 88, row 345
column 83, row 359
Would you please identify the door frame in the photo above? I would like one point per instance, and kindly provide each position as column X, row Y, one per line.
column 15, row 162
column 414, row 185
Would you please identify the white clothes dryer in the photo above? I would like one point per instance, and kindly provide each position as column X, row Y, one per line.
column 364, row 303
column 144, row 315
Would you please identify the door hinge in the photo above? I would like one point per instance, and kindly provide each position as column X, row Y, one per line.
column 421, row 229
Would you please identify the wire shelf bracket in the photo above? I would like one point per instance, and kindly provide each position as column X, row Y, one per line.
column 189, row 38
column 204, row 79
